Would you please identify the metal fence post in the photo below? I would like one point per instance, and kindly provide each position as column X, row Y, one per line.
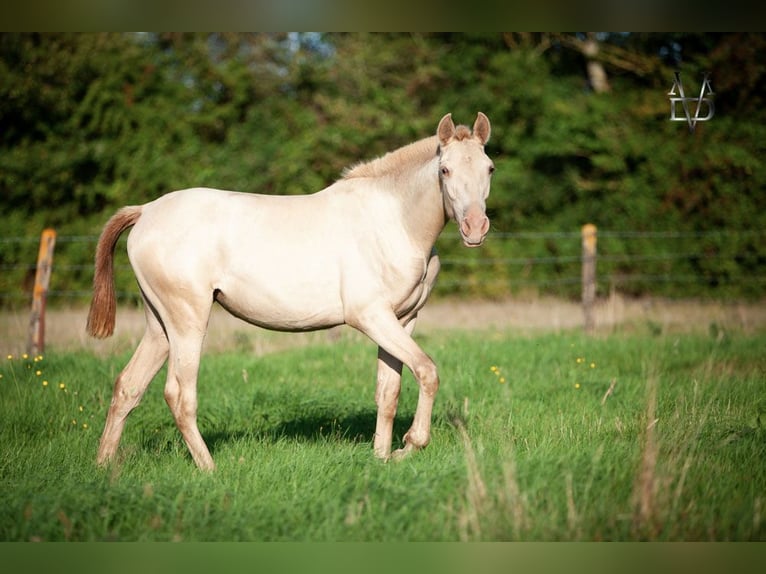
column 36, row 341
column 588, row 274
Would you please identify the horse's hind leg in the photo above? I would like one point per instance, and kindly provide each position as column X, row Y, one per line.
column 186, row 333
column 131, row 384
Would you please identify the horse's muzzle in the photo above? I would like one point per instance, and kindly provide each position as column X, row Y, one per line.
column 474, row 228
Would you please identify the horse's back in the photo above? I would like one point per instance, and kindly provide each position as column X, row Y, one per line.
column 205, row 206
column 214, row 216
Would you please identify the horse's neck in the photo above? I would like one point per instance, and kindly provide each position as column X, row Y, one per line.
column 423, row 206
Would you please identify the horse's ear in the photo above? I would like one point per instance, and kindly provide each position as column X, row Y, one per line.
column 481, row 128
column 446, row 129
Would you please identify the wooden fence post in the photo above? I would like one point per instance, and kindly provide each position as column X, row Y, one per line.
column 588, row 274
column 36, row 341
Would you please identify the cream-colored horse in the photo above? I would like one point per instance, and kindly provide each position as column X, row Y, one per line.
column 358, row 252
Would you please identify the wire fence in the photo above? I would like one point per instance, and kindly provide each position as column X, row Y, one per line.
column 718, row 263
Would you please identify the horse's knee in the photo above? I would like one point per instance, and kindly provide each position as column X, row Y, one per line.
column 428, row 377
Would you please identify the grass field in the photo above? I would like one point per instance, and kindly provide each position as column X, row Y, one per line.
column 642, row 435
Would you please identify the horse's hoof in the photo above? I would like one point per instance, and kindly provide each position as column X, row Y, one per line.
column 403, row 452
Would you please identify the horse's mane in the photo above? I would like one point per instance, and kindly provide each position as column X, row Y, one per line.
column 395, row 161
column 398, row 160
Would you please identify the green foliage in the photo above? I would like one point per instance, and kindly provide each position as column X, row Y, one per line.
column 91, row 122
column 553, row 437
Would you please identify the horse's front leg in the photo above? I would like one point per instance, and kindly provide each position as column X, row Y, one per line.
column 382, row 326
column 389, row 384
column 419, row 434
column 386, row 397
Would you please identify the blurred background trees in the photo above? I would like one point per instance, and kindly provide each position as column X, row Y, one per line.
column 91, row 122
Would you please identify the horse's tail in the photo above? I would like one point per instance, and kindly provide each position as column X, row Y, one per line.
column 103, row 306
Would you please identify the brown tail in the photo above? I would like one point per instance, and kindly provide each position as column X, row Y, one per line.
column 103, row 307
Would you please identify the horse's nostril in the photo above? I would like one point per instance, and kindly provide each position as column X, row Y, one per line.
column 475, row 225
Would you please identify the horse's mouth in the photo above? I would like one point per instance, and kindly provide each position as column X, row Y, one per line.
column 470, row 242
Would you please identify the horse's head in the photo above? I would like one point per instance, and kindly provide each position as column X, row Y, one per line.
column 464, row 174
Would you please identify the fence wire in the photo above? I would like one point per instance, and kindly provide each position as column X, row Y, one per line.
column 499, row 272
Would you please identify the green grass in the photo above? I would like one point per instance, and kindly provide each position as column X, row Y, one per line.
column 534, row 449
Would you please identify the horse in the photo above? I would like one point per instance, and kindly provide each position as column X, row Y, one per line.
column 360, row 252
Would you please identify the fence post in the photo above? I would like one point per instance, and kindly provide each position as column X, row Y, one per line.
column 588, row 274
column 36, row 341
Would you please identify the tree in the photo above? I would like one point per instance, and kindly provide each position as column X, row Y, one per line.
column 90, row 122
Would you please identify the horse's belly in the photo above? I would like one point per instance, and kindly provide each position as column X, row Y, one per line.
column 282, row 308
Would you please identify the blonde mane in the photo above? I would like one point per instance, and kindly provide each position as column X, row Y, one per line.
column 396, row 161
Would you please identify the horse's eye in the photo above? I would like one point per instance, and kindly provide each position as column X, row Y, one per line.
column 445, row 171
